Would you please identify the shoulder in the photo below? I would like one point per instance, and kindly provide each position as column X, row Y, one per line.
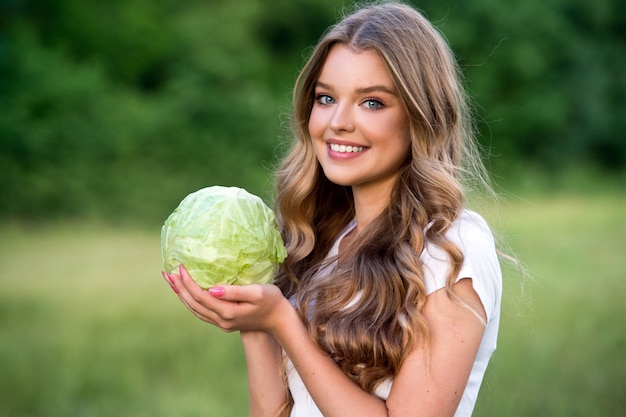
column 470, row 228
column 470, row 232
column 475, row 239
column 473, row 236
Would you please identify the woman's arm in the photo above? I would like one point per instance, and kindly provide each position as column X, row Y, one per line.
column 423, row 387
column 434, row 388
column 262, row 308
column 266, row 389
column 333, row 392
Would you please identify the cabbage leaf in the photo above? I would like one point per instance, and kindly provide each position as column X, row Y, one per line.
column 223, row 235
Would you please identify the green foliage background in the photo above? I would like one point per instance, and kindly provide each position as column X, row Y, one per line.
column 118, row 109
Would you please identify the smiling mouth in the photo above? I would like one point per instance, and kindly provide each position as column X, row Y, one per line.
column 345, row 148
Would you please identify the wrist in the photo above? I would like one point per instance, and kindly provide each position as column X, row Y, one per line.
column 253, row 336
column 258, row 341
column 287, row 319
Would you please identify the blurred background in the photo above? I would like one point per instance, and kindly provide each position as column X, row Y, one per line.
column 111, row 112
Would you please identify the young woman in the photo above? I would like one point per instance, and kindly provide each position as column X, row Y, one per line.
column 388, row 303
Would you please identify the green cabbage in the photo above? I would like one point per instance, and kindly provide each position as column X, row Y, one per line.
column 223, row 235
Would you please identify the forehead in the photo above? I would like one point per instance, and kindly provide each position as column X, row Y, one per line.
column 345, row 67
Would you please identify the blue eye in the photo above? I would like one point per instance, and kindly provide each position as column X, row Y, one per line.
column 373, row 104
column 324, row 99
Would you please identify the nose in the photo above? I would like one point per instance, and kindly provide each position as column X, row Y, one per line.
column 342, row 119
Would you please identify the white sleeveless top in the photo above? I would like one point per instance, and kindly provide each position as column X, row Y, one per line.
column 473, row 236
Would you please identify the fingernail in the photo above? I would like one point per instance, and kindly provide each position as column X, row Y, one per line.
column 169, row 281
column 166, row 276
column 216, row 291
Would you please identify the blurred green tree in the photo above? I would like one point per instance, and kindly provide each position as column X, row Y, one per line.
column 548, row 76
column 120, row 108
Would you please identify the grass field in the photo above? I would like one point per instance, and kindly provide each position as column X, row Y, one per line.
column 89, row 328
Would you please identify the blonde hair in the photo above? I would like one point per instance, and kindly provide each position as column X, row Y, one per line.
column 367, row 313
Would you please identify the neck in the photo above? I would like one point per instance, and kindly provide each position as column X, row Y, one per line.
column 369, row 202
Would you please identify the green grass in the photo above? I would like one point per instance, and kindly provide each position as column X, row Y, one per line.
column 89, row 328
column 562, row 349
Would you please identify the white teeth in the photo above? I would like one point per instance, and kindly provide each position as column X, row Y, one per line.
column 343, row 148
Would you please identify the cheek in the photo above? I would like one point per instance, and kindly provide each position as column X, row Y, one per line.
column 315, row 125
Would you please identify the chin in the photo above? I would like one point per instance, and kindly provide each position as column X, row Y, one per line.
column 340, row 180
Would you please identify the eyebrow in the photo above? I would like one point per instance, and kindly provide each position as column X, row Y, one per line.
column 363, row 90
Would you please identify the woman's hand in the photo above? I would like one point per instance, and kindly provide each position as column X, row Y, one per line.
column 258, row 307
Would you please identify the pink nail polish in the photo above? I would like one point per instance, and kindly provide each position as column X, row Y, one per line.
column 216, row 291
column 169, row 281
column 167, row 277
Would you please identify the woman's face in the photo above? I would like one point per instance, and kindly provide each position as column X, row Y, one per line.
column 358, row 123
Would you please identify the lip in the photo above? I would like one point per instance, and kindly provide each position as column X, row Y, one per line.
column 342, row 156
column 343, row 142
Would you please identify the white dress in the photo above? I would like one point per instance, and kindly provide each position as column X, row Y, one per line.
column 473, row 236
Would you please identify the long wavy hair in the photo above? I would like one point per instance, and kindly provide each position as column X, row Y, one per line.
column 367, row 313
